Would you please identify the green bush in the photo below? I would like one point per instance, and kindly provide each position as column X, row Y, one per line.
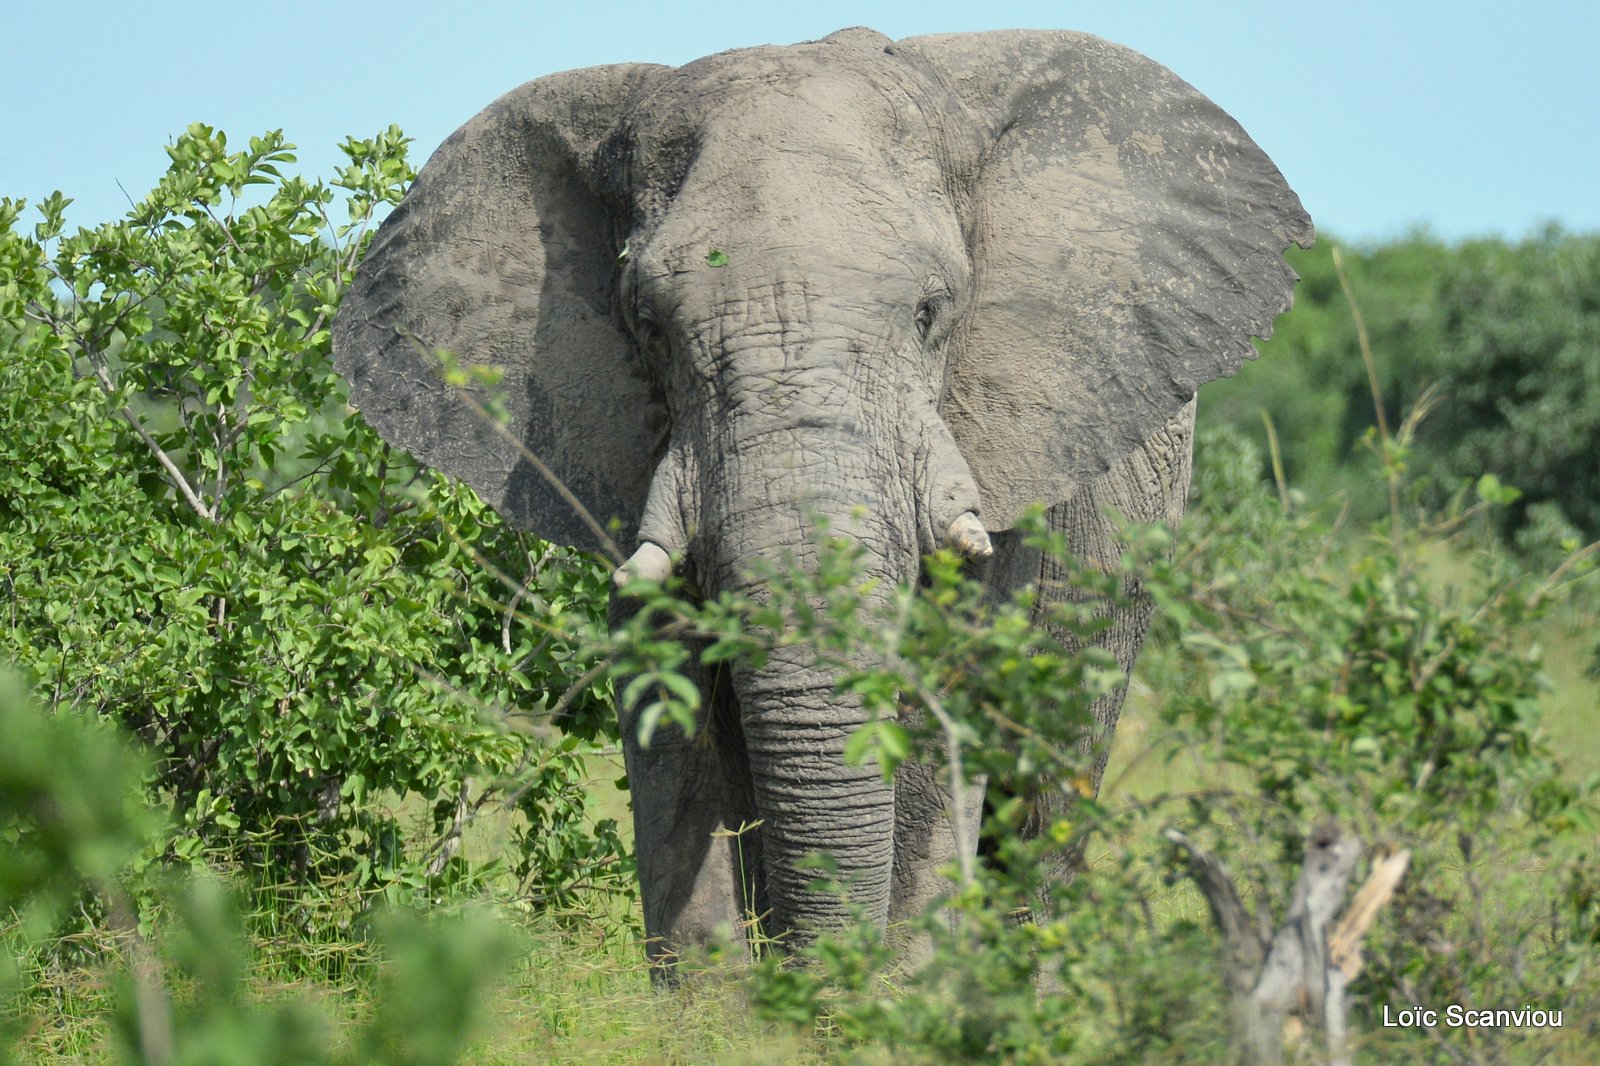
column 1505, row 331
column 74, row 822
column 1331, row 676
column 317, row 641
column 198, row 540
column 1314, row 677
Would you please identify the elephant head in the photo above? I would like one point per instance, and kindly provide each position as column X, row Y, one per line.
column 910, row 287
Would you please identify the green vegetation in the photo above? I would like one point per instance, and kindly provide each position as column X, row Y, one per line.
column 1307, row 678
column 350, row 813
column 303, row 627
column 1507, row 335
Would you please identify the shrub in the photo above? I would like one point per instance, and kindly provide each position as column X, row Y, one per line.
column 1314, row 677
column 74, row 822
column 200, row 541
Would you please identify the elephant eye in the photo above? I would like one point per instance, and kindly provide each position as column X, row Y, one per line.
column 931, row 308
column 645, row 327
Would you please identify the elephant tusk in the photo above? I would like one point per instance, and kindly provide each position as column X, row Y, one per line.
column 967, row 536
column 650, row 563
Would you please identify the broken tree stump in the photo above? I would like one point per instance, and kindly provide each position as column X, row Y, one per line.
column 1303, row 968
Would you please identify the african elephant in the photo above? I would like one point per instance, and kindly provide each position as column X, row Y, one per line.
column 908, row 286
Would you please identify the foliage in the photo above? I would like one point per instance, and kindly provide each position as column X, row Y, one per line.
column 1318, row 678
column 199, row 541
column 60, row 828
column 1317, row 672
column 70, row 818
column 1423, row 697
column 312, row 637
column 1335, row 677
column 75, row 820
column 1508, row 333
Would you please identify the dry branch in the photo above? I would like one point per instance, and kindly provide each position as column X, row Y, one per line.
column 1303, row 968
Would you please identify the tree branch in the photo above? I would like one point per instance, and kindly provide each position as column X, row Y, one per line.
column 180, row 482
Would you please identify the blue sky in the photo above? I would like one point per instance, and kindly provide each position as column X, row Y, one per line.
column 1468, row 118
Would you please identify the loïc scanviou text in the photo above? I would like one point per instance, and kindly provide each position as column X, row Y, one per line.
column 1455, row 1016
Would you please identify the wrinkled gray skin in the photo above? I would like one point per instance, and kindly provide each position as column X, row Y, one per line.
column 964, row 273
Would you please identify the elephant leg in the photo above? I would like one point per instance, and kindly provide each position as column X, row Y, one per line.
column 1151, row 484
column 697, row 848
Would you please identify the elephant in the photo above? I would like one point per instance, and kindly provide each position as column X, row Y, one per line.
column 911, row 287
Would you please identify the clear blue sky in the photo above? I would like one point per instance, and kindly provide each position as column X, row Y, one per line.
column 1466, row 117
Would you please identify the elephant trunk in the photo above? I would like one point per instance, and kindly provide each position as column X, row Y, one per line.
column 795, row 726
column 784, row 440
column 806, row 435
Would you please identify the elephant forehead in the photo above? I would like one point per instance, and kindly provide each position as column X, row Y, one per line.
column 820, row 191
column 735, row 245
column 816, row 93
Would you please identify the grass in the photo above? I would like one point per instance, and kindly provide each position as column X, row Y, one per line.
column 577, row 994
column 584, row 997
column 1571, row 706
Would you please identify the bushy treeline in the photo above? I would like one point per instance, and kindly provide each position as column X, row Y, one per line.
column 1508, row 333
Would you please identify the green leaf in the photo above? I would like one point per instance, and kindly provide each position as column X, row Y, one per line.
column 685, row 690
column 716, row 258
column 1492, row 491
column 894, row 742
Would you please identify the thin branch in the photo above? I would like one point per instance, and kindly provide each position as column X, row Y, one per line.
column 319, row 469
column 178, row 480
column 1064, row 759
column 534, row 570
column 223, row 225
column 446, row 847
column 1244, row 946
column 354, row 247
column 965, row 851
column 1553, row 582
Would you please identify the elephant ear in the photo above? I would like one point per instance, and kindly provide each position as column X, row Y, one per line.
column 503, row 254
column 1128, row 242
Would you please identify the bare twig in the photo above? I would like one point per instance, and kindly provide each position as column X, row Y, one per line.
column 446, row 847
column 222, row 225
column 1553, row 582
column 534, row 569
column 1244, row 947
column 966, row 850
